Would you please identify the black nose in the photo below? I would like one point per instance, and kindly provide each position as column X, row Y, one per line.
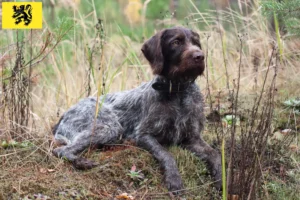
column 198, row 56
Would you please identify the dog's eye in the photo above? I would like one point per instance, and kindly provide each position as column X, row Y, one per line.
column 175, row 43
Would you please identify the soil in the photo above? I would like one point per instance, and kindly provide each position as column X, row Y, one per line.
column 125, row 172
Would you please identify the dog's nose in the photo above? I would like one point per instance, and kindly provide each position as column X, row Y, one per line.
column 198, row 56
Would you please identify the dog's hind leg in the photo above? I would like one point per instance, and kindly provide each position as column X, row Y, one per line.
column 105, row 131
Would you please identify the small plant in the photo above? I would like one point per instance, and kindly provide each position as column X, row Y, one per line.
column 285, row 11
column 135, row 175
column 293, row 104
column 14, row 144
column 231, row 119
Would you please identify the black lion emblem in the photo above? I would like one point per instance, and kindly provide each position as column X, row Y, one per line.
column 22, row 12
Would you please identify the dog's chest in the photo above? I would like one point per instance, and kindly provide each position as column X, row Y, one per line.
column 174, row 121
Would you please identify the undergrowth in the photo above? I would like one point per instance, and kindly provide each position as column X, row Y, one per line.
column 250, row 84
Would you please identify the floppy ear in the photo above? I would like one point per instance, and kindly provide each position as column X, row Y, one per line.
column 152, row 51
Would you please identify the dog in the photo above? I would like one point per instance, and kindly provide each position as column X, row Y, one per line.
column 165, row 111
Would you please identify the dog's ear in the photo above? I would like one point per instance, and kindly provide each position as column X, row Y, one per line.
column 153, row 53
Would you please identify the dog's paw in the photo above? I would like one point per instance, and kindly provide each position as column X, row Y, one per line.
column 217, row 176
column 173, row 183
column 58, row 151
column 83, row 164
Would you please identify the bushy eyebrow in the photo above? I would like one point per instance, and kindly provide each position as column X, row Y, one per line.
column 196, row 35
column 171, row 37
column 196, row 41
column 178, row 36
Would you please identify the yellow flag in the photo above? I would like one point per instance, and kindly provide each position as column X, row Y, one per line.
column 22, row 15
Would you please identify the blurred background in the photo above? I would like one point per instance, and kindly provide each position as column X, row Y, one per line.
column 92, row 47
column 138, row 19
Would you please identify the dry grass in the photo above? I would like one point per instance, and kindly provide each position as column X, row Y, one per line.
column 64, row 76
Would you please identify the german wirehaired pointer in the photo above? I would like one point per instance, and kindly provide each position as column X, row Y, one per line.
column 165, row 111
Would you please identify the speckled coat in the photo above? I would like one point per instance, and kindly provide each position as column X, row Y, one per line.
column 165, row 111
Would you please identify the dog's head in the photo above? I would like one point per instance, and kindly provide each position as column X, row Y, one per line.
column 175, row 53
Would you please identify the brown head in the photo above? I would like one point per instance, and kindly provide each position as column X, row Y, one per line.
column 175, row 53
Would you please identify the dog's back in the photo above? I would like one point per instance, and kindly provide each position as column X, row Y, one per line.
column 142, row 107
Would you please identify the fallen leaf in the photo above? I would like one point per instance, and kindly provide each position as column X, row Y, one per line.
column 125, row 196
column 233, row 197
column 286, row 131
column 43, row 170
column 133, row 168
column 51, row 170
column 294, row 147
column 278, row 136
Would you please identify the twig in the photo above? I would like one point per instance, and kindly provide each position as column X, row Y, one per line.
column 207, row 82
column 233, row 128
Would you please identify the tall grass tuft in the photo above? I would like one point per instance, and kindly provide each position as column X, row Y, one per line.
column 17, row 92
column 17, row 79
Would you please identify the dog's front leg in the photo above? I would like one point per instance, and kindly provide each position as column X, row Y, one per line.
column 172, row 177
column 206, row 153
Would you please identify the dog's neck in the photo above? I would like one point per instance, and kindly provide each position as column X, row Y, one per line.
column 162, row 84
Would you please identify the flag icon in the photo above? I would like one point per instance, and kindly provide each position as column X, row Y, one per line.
column 22, row 15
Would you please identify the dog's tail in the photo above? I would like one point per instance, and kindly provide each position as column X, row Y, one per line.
column 54, row 128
